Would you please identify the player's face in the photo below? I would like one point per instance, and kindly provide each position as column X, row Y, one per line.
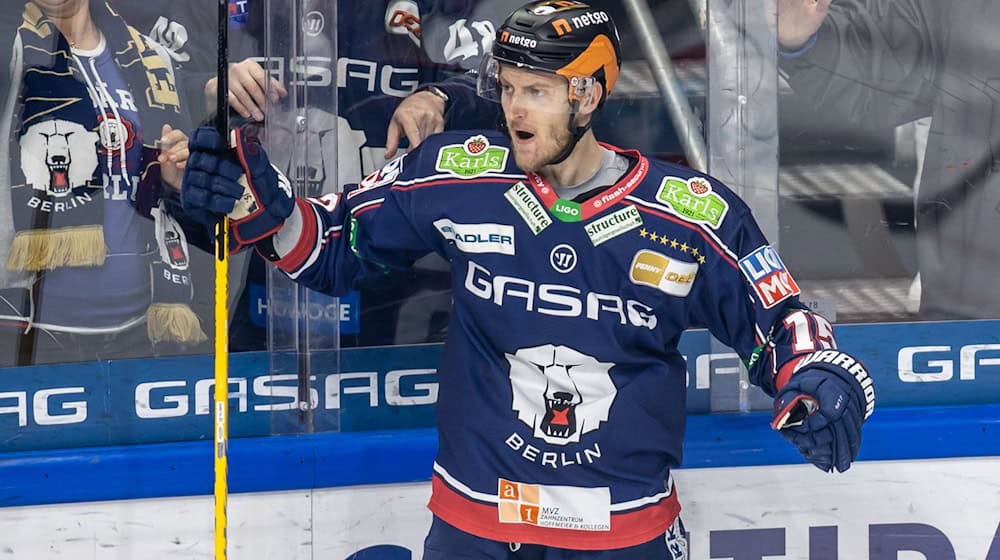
column 536, row 106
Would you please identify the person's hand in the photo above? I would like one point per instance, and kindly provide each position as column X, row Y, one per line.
column 798, row 20
column 239, row 182
column 173, row 156
column 417, row 117
column 822, row 408
column 250, row 87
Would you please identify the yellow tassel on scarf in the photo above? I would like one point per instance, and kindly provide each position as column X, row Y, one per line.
column 46, row 249
column 173, row 322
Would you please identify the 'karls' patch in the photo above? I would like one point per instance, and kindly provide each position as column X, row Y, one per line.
column 613, row 225
column 529, row 207
column 478, row 238
column 770, row 279
column 670, row 276
column 472, row 158
column 693, row 200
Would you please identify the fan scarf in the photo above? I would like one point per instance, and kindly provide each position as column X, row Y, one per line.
column 58, row 199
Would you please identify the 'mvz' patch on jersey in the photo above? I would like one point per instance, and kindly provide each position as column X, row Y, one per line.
column 767, row 274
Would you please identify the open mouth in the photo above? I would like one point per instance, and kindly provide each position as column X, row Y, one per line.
column 59, row 178
column 523, row 135
column 560, row 415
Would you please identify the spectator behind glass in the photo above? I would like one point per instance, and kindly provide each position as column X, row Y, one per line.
column 188, row 31
column 94, row 261
column 881, row 63
column 381, row 62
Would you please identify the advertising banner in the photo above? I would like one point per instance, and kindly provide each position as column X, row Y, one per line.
column 395, row 387
column 880, row 510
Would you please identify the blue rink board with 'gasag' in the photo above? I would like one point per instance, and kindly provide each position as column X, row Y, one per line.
column 386, row 388
column 142, row 428
column 396, row 456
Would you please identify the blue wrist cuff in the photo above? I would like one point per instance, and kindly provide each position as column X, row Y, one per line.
column 801, row 50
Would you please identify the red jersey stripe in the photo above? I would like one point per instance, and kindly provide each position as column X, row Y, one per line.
column 627, row 529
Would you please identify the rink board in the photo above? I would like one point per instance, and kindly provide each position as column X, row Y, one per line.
column 927, row 483
column 168, row 399
column 399, row 456
column 880, row 510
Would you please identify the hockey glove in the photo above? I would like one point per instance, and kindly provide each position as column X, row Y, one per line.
column 822, row 408
column 237, row 181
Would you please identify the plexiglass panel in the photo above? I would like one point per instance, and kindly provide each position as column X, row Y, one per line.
column 860, row 134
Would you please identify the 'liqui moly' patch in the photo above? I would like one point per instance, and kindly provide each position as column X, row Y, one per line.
column 768, row 276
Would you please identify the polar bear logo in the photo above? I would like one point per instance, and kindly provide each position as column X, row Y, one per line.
column 58, row 156
column 170, row 239
column 559, row 392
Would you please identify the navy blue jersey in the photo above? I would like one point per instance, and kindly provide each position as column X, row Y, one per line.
column 343, row 101
column 379, row 60
column 562, row 393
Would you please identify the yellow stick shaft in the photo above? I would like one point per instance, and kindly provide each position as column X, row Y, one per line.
column 221, row 388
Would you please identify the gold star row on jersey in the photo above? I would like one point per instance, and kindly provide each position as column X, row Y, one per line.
column 673, row 243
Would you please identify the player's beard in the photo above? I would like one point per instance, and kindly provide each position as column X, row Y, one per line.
column 546, row 146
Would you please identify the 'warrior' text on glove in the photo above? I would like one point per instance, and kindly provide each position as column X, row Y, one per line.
column 823, row 406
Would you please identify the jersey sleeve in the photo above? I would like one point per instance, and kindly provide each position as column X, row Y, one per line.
column 466, row 109
column 750, row 302
column 365, row 231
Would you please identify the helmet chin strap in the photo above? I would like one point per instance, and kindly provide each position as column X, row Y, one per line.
column 575, row 134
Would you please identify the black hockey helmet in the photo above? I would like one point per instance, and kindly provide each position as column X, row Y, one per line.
column 564, row 37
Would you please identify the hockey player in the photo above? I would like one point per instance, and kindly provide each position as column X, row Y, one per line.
column 576, row 267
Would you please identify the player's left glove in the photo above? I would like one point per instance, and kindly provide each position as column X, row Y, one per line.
column 823, row 406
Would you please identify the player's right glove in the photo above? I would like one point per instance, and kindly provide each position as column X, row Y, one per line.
column 823, row 406
column 238, row 181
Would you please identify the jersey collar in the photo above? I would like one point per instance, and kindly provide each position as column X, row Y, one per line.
column 602, row 200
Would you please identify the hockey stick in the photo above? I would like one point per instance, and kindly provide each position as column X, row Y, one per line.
column 221, row 447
